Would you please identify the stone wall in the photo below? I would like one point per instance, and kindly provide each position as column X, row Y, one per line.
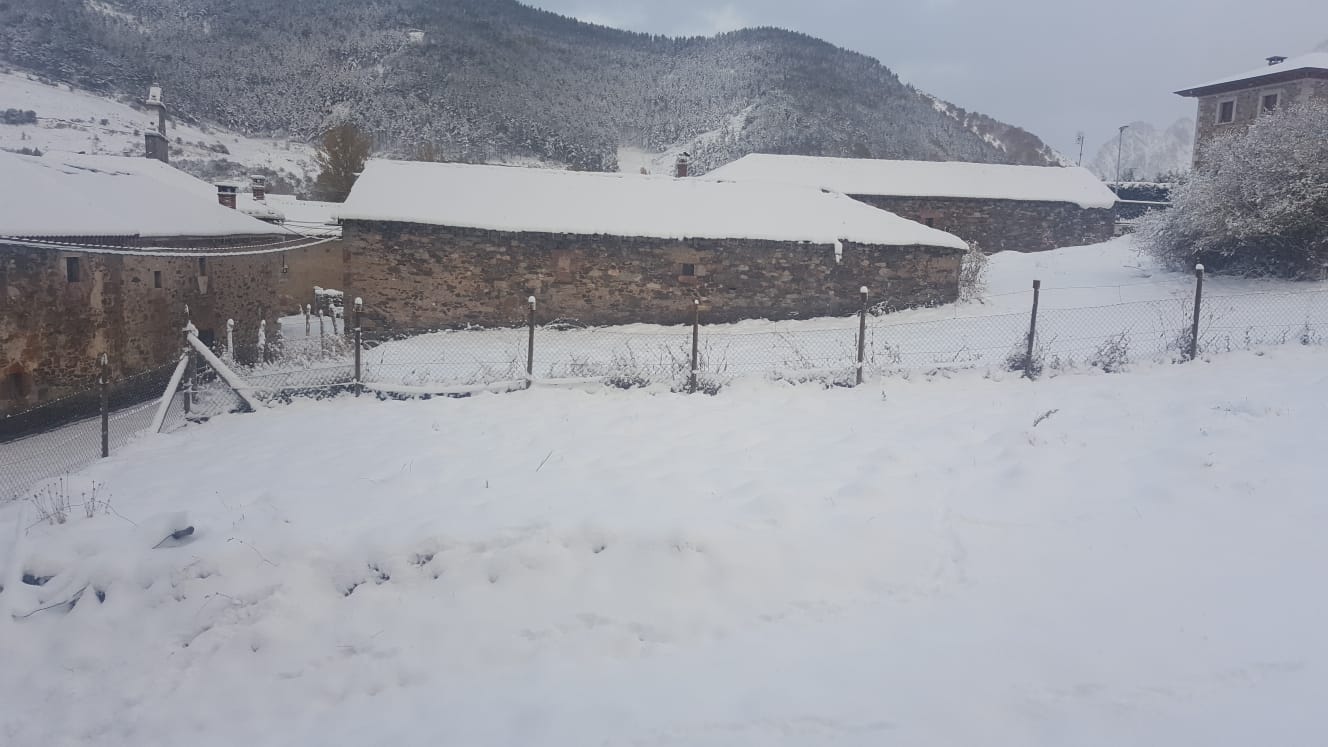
column 419, row 276
column 52, row 330
column 322, row 266
column 1247, row 107
column 1004, row 225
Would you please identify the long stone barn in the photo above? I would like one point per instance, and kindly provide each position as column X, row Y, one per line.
column 431, row 245
column 102, row 254
column 997, row 207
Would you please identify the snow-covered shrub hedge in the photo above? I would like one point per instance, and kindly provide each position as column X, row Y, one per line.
column 1256, row 205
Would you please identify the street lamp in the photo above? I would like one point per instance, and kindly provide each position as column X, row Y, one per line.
column 1120, row 142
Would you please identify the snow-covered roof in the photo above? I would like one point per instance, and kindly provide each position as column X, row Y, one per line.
column 864, row 176
column 509, row 198
column 1313, row 61
column 64, row 194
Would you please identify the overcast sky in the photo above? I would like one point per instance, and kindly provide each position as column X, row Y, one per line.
column 1054, row 67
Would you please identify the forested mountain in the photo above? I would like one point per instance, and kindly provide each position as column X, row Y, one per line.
column 494, row 80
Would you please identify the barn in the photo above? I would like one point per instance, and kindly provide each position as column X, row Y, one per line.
column 996, row 207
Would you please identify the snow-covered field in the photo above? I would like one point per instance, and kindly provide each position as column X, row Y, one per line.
column 76, row 121
column 1086, row 559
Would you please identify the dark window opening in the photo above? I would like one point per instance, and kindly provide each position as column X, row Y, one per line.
column 156, row 278
column 1269, row 102
column 202, row 266
column 15, row 385
column 931, row 222
column 207, row 337
column 1226, row 112
column 72, row 270
column 688, row 270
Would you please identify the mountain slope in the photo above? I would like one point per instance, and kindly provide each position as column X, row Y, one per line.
column 493, row 79
column 1147, row 153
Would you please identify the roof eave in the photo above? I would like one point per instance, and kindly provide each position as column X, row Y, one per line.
column 1280, row 76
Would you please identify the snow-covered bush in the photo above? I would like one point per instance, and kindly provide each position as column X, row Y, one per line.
column 972, row 273
column 1257, row 204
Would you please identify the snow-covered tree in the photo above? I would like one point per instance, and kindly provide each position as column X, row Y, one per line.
column 341, row 155
column 1257, row 203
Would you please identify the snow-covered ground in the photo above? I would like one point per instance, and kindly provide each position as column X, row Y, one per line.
column 75, row 121
column 1088, row 560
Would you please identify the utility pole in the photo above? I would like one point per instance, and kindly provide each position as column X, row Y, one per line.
column 1120, row 143
column 1079, row 140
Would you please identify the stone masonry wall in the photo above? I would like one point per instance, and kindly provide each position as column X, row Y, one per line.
column 419, row 276
column 1247, row 107
column 1005, row 225
column 52, row 331
column 322, row 266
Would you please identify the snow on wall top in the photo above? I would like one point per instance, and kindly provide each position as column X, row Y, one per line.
column 1311, row 61
column 65, row 194
column 508, row 198
column 865, row 176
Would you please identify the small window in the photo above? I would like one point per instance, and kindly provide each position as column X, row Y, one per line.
column 1226, row 111
column 73, row 272
column 931, row 222
column 156, row 278
column 202, row 266
column 689, row 270
column 15, row 385
column 1268, row 102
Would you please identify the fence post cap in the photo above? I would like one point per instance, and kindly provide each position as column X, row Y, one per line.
column 1198, row 268
column 359, row 302
column 1037, row 283
column 696, row 302
column 530, row 300
column 863, row 290
column 230, row 324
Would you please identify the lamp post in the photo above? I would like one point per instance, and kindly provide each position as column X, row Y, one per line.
column 1120, row 142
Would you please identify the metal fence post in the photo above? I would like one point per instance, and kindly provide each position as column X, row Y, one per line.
column 530, row 344
column 230, row 339
column 696, row 343
column 188, row 371
column 1029, row 367
column 104, row 381
column 862, row 334
column 1198, row 304
column 306, row 319
column 359, row 306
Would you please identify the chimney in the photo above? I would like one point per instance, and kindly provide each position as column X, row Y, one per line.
column 226, row 195
column 155, row 144
column 1276, row 60
column 258, row 186
column 680, row 169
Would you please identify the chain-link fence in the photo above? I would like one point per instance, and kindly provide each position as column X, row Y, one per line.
column 320, row 356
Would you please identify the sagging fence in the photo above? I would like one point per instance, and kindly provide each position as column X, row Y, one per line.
column 333, row 356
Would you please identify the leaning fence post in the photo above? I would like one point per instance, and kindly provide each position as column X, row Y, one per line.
column 1198, row 302
column 104, row 382
column 189, row 370
column 530, row 344
column 1029, row 367
column 862, row 333
column 359, row 306
column 696, row 340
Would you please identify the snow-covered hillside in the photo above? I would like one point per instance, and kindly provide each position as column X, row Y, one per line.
column 82, row 122
column 1147, row 152
column 1088, row 560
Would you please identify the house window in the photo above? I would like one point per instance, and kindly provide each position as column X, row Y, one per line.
column 156, row 278
column 72, row 271
column 931, row 222
column 202, row 267
column 688, row 270
column 1269, row 101
column 16, row 385
column 1226, row 111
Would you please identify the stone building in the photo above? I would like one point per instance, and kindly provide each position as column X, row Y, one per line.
column 997, row 207
column 1230, row 104
column 102, row 254
column 433, row 245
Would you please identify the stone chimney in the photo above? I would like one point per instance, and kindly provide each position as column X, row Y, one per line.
column 258, row 186
column 680, row 168
column 1276, row 60
column 156, row 146
column 226, row 195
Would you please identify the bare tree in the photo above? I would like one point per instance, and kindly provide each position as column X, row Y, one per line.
column 341, row 156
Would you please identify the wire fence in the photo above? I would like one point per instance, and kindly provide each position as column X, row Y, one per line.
column 302, row 362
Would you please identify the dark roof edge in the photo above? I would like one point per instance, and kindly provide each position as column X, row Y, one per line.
column 1280, row 76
